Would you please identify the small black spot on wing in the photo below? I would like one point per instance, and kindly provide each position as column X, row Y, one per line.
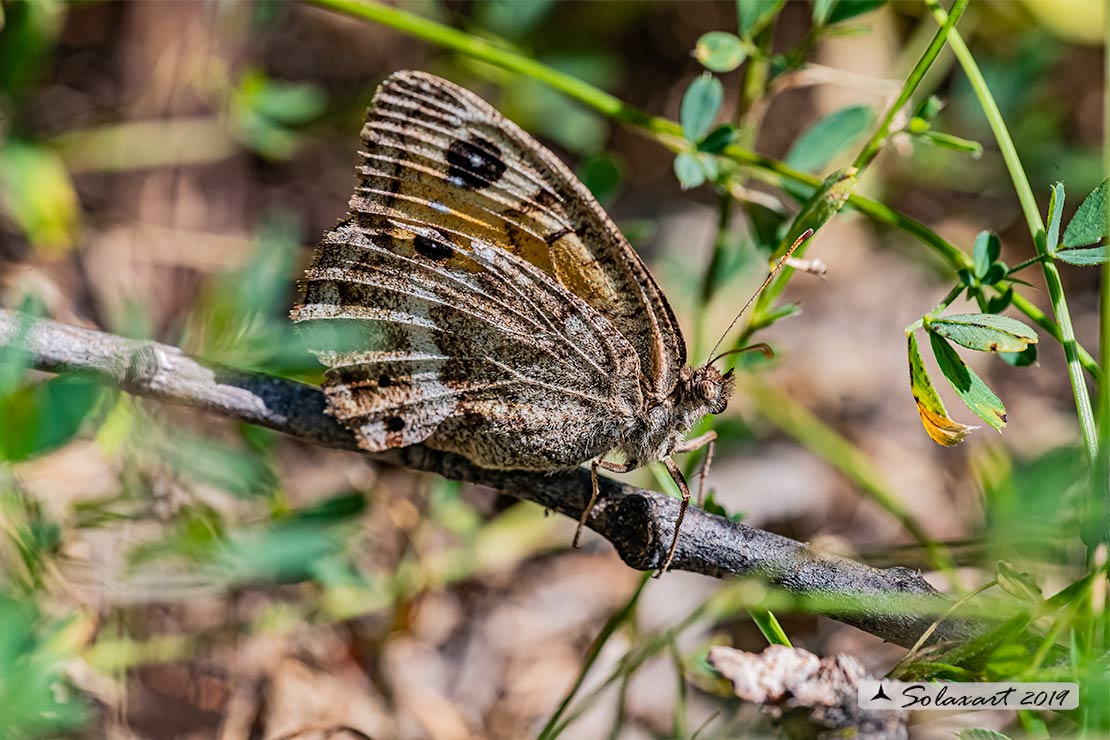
column 384, row 381
column 394, row 424
column 432, row 249
column 556, row 236
column 474, row 163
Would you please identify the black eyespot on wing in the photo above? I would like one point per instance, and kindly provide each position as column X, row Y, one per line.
column 384, row 381
column 433, row 249
column 475, row 163
column 394, row 424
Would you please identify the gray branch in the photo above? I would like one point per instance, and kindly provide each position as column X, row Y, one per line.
column 895, row 604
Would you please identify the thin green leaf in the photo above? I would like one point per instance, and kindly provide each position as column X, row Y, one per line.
column 709, row 165
column 987, row 249
column 720, row 51
column 1000, row 303
column 769, row 625
column 968, row 386
column 984, row 332
column 813, row 150
column 928, row 109
column 43, row 417
column 822, row 9
column 934, row 417
column 1055, row 214
column 756, row 14
column 996, row 273
column 979, row 734
column 700, row 105
column 955, row 143
column 1018, row 584
column 1088, row 225
column 846, row 9
column 1020, row 359
column 688, row 170
column 1084, row 255
column 717, row 139
column 38, row 195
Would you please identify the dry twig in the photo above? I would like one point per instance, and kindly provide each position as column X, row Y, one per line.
column 893, row 603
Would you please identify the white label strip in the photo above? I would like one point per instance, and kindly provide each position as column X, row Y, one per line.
column 948, row 696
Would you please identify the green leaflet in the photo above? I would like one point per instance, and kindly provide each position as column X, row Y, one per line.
column 934, row 417
column 984, row 332
column 968, row 386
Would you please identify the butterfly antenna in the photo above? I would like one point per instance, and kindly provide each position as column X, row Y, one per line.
column 797, row 243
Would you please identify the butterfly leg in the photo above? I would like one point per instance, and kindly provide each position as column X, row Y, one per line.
column 708, row 439
column 604, row 465
column 680, row 481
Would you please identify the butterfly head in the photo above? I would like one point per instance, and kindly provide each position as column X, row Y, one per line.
column 705, row 389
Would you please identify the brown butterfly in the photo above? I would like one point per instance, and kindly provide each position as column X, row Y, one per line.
column 478, row 300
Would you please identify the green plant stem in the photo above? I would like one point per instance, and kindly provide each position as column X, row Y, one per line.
column 825, row 442
column 1023, row 264
column 770, row 627
column 667, row 133
column 882, row 132
column 611, row 626
column 1036, row 229
column 1100, row 488
column 866, row 156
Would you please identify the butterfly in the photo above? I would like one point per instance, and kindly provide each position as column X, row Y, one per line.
column 477, row 299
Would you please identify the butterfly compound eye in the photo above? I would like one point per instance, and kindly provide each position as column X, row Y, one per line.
column 707, row 390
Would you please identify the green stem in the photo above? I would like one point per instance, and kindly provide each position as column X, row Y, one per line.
column 882, row 133
column 1023, row 264
column 1100, row 489
column 486, row 51
column 665, row 132
column 1036, row 229
column 619, row 617
column 947, row 301
column 769, row 626
column 866, row 156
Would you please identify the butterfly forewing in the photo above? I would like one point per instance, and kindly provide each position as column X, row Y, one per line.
column 444, row 156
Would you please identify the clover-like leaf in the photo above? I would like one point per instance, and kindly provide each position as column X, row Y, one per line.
column 987, row 249
column 968, row 386
column 756, row 14
column 940, row 427
column 1026, row 357
column 1084, row 256
column 1088, row 225
column 45, row 416
column 688, row 170
column 1055, row 214
column 955, row 143
column 717, row 139
column 815, row 148
column 984, row 332
column 700, row 105
column 846, row 9
column 999, row 303
column 720, row 51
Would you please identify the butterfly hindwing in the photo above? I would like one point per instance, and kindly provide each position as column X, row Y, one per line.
column 494, row 359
